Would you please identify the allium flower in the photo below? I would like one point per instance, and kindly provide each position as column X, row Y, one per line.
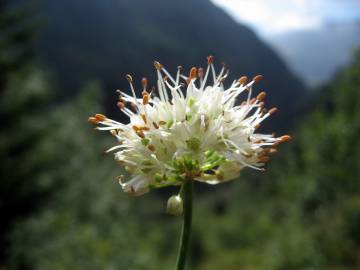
column 203, row 134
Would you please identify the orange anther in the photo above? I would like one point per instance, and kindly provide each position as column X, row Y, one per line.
column 100, row 117
column 273, row 110
column 145, row 98
column 243, row 80
column 93, row 120
column 121, row 105
column 193, row 72
column 285, row 138
column 263, row 159
column 257, row 78
column 261, row 96
column 151, row 147
column 144, row 82
column 210, row 59
column 155, row 125
column 157, row 65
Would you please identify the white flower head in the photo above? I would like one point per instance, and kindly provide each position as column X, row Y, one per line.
column 189, row 129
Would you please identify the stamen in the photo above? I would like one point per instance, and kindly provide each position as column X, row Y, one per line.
column 263, row 159
column 144, row 83
column 151, row 147
column 140, row 133
column 121, row 105
column 157, row 65
column 145, row 97
column 93, row 120
column 261, row 96
column 135, row 128
column 155, row 125
column 285, row 138
column 129, row 78
column 192, row 74
column 243, row 80
column 210, row 59
column 258, row 78
column 144, row 128
column 273, row 110
column 100, row 117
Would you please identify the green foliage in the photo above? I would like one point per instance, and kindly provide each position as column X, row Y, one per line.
column 89, row 223
column 304, row 213
column 16, row 34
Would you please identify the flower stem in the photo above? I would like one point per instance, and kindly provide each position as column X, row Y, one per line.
column 186, row 194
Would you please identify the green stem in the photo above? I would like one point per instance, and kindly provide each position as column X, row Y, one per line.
column 186, row 194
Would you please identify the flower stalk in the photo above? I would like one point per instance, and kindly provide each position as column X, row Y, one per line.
column 187, row 196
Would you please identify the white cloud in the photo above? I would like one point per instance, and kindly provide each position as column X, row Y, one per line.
column 275, row 16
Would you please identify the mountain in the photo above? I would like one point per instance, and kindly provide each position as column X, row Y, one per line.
column 105, row 39
column 316, row 55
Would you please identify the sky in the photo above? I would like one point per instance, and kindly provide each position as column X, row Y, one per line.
column 271, row 17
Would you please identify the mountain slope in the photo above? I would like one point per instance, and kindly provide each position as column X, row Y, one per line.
column 109, row 38
column 318, row 54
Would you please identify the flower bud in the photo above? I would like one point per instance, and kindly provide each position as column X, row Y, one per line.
column 174, row 205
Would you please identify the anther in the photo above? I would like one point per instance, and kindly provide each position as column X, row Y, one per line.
column 134, row 106
column 151, row 147
column 263, row 159
column 193, row 72
column 155, row 125
column 93, row 120
column 210, row 59
column 129, row 78
column 144, row 82
column 257, row 78
column 140, row 134
column 145, row 97
column 261, row 96
column 121, row 105
column 100, row 117
column 243, row 80
column 273, row 110
column 144, row 128
column 157, row 65
column 135, row 128
column 285, row 138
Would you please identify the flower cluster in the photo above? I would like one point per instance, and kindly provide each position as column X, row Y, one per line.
column 203, row 133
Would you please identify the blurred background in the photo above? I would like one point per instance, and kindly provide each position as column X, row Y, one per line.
column 60, row 205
